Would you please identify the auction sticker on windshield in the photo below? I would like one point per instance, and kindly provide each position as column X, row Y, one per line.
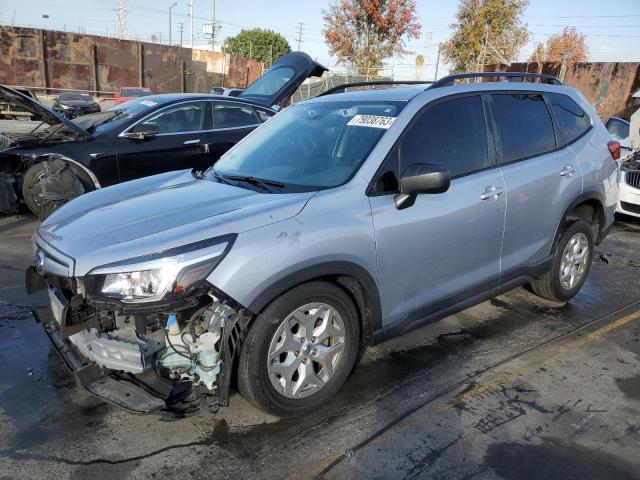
column 376, row 121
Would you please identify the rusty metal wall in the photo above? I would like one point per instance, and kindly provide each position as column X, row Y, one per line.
column 608, row 85
column 46, row 58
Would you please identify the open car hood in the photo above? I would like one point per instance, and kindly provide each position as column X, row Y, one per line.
column 40, row 111
column 278, row 83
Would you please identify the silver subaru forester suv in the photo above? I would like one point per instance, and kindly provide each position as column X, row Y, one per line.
column 342, row 222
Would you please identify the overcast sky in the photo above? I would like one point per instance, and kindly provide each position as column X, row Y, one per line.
column 612, row 27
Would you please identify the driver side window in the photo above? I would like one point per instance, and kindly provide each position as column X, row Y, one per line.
column 451, row 134
column 186, row 117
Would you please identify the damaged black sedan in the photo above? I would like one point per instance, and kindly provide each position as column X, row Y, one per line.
column 47, row 159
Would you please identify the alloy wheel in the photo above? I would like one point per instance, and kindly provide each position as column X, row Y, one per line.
column 306, row 350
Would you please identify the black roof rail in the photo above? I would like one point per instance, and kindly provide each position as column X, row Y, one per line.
column 512, row 76
column 344, row 86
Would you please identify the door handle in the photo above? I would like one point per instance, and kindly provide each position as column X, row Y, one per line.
column 491, row 192
column 192, row 142
column 567, row 170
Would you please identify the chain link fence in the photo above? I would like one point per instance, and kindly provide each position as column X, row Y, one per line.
column 314, row 87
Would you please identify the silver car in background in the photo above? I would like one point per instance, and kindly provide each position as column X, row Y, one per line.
column 344, row 221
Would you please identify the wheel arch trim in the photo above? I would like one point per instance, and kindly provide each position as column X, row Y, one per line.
column 64, row 158
column 372, row 319
column 592, row 195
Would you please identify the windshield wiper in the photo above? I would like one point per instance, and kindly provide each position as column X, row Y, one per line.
column 261, row 182
column 219, row 178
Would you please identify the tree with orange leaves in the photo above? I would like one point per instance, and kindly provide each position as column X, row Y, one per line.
column 567, row 46
column 362, row 33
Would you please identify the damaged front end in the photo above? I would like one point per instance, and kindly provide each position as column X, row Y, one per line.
column 140, row 355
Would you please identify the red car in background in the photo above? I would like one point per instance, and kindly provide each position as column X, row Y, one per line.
column 129, row 93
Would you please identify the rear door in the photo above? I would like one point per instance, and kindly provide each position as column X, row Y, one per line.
column 541, row 177
column 446, row 247
column 232, row 121
column 177, row 141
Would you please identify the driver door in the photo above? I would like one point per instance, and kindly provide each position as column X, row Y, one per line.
column 445, row 247
column 174, row 138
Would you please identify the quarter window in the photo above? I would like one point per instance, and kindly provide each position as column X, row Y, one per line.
column 264, row 114
column 524, row 125
column 451, row 134
column 185, row 117
column 572, row 120
column 227, row 115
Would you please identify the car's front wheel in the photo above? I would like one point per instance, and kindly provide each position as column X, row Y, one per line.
column 46, row 186
column 300, row 349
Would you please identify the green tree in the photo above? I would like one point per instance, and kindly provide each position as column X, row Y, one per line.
column 362, row 33
column 264, row 45
column 487, row 31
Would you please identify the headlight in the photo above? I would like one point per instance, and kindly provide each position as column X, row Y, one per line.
column 153, row 277
column 64, row 107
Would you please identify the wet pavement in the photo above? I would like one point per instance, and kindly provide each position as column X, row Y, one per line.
column 516, row 387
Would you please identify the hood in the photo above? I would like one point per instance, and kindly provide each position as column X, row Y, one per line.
column 39, row 111
column 276, row 85
column 157, row 213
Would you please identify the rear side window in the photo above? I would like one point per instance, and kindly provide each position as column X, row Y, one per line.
column 524, row 125
column 228, row 115
column 451, row 134
column 572, row 120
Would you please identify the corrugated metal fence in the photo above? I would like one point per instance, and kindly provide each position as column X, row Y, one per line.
column 607, row 85
column 62, row 60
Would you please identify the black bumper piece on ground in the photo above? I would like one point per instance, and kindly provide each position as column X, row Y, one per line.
column 126, row 393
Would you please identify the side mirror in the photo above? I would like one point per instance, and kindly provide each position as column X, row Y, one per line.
column 421, row 178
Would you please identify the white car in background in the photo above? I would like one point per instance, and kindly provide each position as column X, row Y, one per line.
column 629, row 200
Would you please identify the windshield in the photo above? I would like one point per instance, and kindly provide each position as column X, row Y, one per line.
column 310, row 146
column 115, row 116
column 65, row 97
column 134, row 92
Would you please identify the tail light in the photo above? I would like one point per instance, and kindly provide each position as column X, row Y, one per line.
column 614, row 149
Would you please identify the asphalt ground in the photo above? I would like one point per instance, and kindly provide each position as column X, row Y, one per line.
column 514, row 388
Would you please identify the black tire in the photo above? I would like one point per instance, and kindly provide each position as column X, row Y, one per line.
column 253, row 378
column 549, row 285
column 29, row 191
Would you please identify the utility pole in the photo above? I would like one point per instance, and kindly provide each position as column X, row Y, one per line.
column 213, row 25
column 191, row 21
column 173, row 4
column 181, row 28
column 427, row 39
column 300, row 28
column 435, row 77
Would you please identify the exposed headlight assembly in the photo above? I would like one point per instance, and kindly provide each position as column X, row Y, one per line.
column 153, row 277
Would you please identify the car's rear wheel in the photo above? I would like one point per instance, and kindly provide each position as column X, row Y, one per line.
column 571, row 264
column 300, row 350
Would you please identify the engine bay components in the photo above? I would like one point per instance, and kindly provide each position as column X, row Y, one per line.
column 121, row 351
column 191, row 353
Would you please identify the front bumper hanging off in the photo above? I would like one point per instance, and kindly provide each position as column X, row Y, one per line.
column 130, row 394
column 123, row 373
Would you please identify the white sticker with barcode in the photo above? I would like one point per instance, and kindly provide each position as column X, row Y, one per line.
column 376, row 121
